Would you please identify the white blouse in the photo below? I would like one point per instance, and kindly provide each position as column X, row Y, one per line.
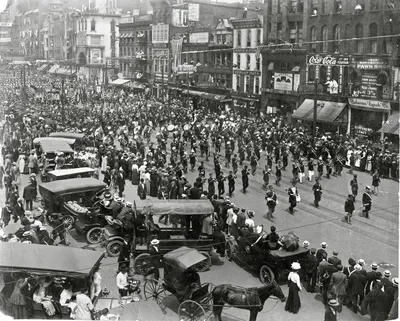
column 294, row 277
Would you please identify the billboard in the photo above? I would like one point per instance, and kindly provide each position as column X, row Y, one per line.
column 198, row 37
column 194, row 12
column 283, row 81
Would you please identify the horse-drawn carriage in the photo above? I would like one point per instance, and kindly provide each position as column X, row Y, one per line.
column 197, row 299
column 255, row 252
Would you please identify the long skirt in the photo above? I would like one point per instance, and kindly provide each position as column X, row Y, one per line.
column 19, row 311
column 293, row 303
column 135, row 177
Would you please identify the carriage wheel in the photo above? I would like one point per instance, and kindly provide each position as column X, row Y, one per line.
column 203, row 265
column 68, row 221
column 113, row 248
column 228, row 251
column 141, row 263
column 191, row 311
column 94, row 235
column 154, row 290
column 266, row 275
column 208, row 302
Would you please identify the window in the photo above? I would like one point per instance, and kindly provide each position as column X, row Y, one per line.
column 336, row 39
column 324, row 38
column 387, row 42
column 359, row 42
column 292, row 6
column 239, row 38
column 337, row 7
column 238, row 61
column 311, row 73
column 373, row 42
column 258, row 36
column 374, row 5
column 249, row 38
column 325, row 5
column 238, row 83
column 248, row 62
column 93, row 25
column 313, row 39
column 314, row 8
column 248, row 89
column 258, row 63
column 382, row 83
column 85, row 25
column 323, row 74
column 257, row 89
column 346, row 43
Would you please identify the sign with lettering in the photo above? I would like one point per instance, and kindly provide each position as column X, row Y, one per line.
column 198, row 37
column 372, row 63
column 283, row 81
column 5, row 24
column 194, row 12
column 185, row 69
column 370, row 104
column 247, row 72
column 328, row 60
column 245, row 50
column 126, row 20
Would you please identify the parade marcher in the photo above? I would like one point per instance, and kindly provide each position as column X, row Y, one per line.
column 266, row 174
column 349, row 208
column 310, row 169
column 312, row 269
column 354, row 187
column 375, row 182
column 293, row 196
column 272, row 201
column 221, row 184
column 211, row 186
column 301, row 171
column 367, row 201
column 245, row 178
column 278, row 173
column 317, row 189
column 293, row 301
column 355, row 287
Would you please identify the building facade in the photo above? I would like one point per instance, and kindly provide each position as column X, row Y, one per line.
column 247, row 63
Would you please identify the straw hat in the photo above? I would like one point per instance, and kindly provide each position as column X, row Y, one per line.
column 296, row 266
column 155, row 242
column 333, row 303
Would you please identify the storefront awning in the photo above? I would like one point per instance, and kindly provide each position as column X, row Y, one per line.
column 120, row 81
column 245, row 98
column 391, row 126
column 54, row 69
column 193, row 92
column 327, row 111
column 42, row 67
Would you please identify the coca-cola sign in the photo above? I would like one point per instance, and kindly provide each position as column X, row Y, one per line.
column 328, row 60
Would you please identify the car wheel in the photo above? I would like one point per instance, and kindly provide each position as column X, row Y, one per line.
column 113, row 248
column 266, row 275
column 94, row 235
column 68, row 221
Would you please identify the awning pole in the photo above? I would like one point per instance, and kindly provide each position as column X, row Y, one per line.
column 314, row 132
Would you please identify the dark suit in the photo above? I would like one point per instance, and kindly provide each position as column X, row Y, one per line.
column 370, row 277
column 355, row 288
column 120, row 183
column 320, row 253
column 142, row 191
column 335, row 261
column 29, row 195
column 312, row 269
column 329, row 315
column 377, row 301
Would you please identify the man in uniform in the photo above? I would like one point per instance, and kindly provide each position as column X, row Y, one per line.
column 349, row 208
column 317, row 188
column 354, row 187
column 231, row 183
column 367, row 201
column 245, row 178
column 271, row 199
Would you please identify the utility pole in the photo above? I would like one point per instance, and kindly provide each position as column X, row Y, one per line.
column 162, row 79
column 314, row 131
column 62, row 103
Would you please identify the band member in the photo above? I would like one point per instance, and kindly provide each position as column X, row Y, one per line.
column 310, row 169
column 354, row 187
column 367, row 201
column 278, row 173
column 293, row 196
column 231, row 183
column 349, row 208
column 329, row 165
column 245, row 178
column 272, row 200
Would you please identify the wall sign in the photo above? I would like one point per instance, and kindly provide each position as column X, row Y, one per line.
column 367, row 103
column 283, row 81
column 372, row 63
column 328, row 60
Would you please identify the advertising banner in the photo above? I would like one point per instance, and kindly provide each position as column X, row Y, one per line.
column 198, row 37
column 283, row 81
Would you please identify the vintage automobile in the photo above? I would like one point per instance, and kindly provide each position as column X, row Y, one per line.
column 253, row 251
column 61, row 174
column 70, row 197
column 170, row 238
column 36, row 261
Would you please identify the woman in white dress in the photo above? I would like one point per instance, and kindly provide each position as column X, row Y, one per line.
column 104, row 161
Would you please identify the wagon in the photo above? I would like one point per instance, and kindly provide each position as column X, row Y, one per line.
column 170, row 238
column 182, row 280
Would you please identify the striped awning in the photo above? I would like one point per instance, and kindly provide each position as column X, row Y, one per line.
column 391, row 126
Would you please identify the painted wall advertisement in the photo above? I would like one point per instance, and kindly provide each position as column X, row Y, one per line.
column 198, row 37
column 369, row 104
column 283, row 81
column 194, row 12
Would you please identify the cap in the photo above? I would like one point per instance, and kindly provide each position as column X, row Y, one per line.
column 361, row 262
column 306, row 244
column 128, row 204
column 296, row 266
column 367, row 187
column 387, row 273
column 313, row 250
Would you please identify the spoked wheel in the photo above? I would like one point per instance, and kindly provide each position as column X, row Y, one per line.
column 153, row 290
column 266, row 275
column 141, row 263
column 113, row 248
column 94, row 235
column 203, row 265
column 191, row 311
column 68, row 221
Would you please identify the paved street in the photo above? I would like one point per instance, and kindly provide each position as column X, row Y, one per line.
column 374, row 240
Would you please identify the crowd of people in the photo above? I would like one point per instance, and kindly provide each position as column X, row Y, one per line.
column 186, row 138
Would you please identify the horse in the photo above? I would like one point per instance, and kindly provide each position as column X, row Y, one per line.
column 251, row 299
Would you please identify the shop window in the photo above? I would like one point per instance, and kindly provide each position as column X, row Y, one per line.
column 249, row 38
column 324, row 38
column 311, row 73
column 238, row 61
column 387, row 42
column 382, row 83
column 238, row 83
column 336, row 39
column 247, row 80
column 313, row 40
column 323, row 74
column 373, row 41
column 345, row 80
column 239, row 38
column 248, row 62
column 359, row 42
column 257, row 85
